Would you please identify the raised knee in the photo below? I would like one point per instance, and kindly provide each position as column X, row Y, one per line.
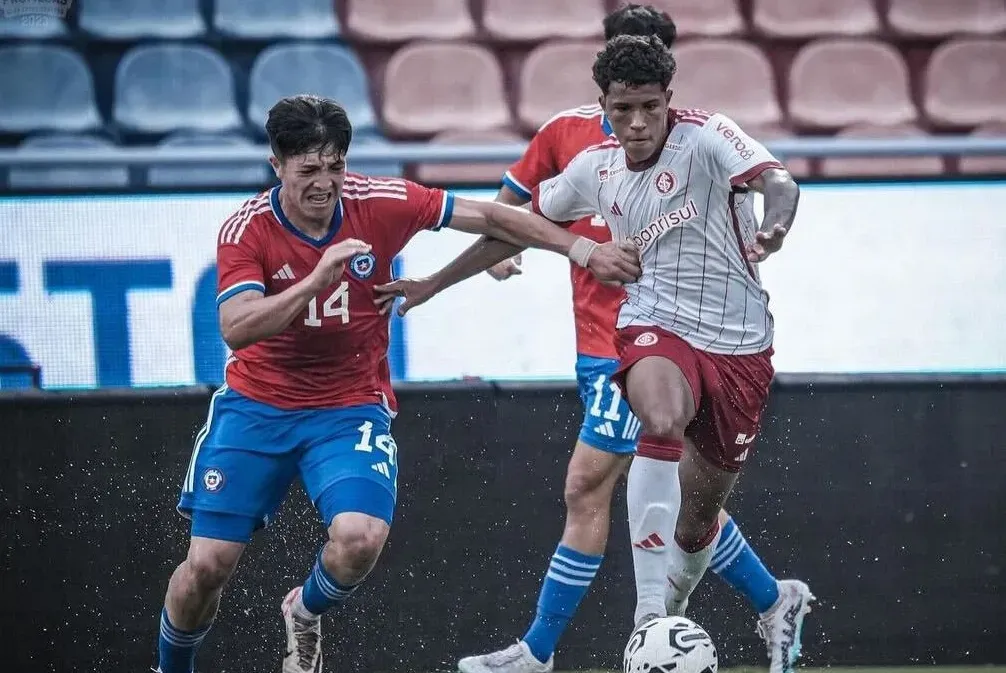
column 665, row 423
column 210, row 568
column 356, row 544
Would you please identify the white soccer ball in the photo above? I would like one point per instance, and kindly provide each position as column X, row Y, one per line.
column 670, row 645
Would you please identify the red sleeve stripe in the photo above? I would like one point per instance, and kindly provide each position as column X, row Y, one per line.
column 753, row 172
column 234, row 227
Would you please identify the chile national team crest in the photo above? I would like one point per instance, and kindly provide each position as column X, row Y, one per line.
column 362, row 266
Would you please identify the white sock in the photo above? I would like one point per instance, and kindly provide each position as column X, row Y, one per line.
column 685, row 570
column 654, row 497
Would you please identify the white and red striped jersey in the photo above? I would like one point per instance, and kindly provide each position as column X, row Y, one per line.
column 691, row 217
column 334, row 354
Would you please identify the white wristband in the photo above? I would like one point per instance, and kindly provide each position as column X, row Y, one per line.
column 581, row 250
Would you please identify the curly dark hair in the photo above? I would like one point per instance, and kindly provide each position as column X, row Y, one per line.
column 633, row 19
column 304, row 124
column 634, row 60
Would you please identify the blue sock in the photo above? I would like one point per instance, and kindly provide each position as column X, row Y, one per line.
column 566, row 582
column 321, row 591
column 177, row 648
column 736, row 562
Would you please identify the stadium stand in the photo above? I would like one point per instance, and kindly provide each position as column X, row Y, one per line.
column 498, row 68
column 893, row 166
column 269, row 20
column 88, row 177
column 205, row 174
column 464, row 173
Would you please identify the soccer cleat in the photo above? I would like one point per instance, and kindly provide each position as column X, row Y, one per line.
column 515, row 659
column 303, row 639
column 781, row 625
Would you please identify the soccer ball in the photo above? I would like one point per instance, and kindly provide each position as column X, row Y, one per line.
column 670, row 644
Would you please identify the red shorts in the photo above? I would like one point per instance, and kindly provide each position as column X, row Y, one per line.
column 730, row 392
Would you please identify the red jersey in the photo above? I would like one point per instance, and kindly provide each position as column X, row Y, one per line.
column 335, row 353
column 595, row 306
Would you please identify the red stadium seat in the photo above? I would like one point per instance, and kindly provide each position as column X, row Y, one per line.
column 431, row 87
column 837, row 83
column 468, row 173
column 394, row 21
column 556, row 76
column 965, row 83
column 989, row 164
column 810, row 18
column 799, row 167
column 868, row 166
column 534, row 20
column 727, row 76
column 709, row 18
column 939, row 18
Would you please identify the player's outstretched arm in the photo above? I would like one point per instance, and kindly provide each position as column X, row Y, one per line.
column 249, row 317
column 782, row 195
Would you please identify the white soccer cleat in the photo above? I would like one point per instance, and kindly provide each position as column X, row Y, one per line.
column 781, row 626
column 515, row 659
column 303, row 639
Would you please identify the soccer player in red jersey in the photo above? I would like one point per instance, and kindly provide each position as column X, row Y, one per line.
column 610, row 432
column 308, row 388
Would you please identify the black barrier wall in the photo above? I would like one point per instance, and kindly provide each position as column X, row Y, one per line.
column 885, row 497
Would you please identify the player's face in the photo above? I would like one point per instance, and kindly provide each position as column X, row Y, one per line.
column 638, row 117
column 312, row 183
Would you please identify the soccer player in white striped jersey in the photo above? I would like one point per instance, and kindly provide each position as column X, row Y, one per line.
column 652, row 475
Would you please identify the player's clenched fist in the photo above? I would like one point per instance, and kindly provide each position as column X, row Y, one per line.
column 615, row 263
column 333, row 262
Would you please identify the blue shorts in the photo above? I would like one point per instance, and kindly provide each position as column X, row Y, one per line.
column 608, row 424
column 248, row 454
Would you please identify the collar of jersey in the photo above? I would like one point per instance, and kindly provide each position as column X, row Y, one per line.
column 333, row 228
column 606, row 125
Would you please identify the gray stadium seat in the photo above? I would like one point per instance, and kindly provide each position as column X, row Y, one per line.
column 118, row 20
column 67, row 177
column 162, row 88
column 267, row 19
column 322, row 69
column 45, row 87
column 32, row 28
column 208, row 174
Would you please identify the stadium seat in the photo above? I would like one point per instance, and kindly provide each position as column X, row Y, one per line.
column 709, row 18
column 394, row 21
column 456, row 173
column 326, row 70
column 208, row 174
column 69, row 177
column 940, row 18
column 799, row 167
column 168, row 87
column 270, row 20
column 165, row 19
column 986, row 164
column 556, row 76
column 838, row 83
column 431, row 87
column 811, row 18
column 876, row 166
column 33, row 28
column 374, row 168
column 965, row 83
column 727, row 76
column 535, row 20
column 45, row 87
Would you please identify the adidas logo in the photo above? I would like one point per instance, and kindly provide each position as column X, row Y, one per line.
column 382, row 468
column 605, row 429
column 286, row 273
column 654, row 541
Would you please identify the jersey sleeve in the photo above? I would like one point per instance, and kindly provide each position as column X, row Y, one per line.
column 240, row 262
column 730, row 155
column 569, row 195
column 536, row 165
column 410, row 208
